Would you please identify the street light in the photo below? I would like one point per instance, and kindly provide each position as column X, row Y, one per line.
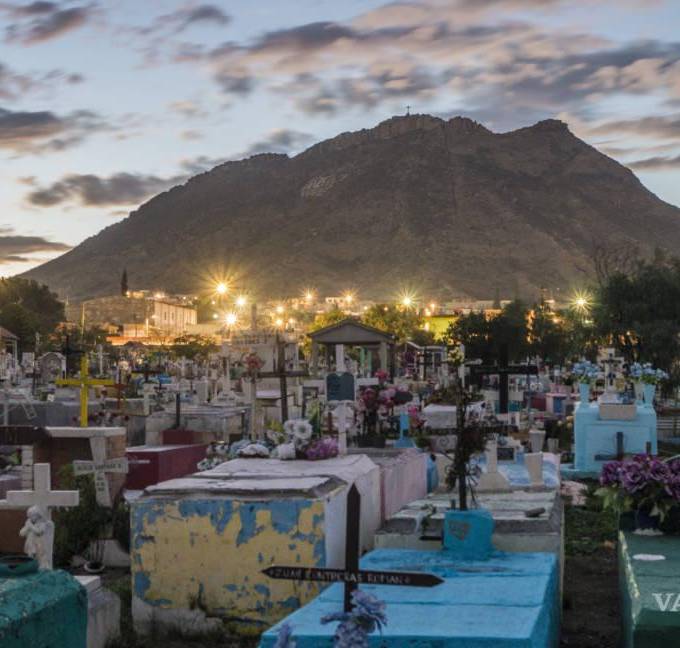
column 241, row 301
column 221, row 288
column 231, row 319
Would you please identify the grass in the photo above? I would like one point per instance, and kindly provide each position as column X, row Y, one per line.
column 588, row 528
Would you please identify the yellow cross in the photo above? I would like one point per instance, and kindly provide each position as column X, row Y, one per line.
column 84, row 382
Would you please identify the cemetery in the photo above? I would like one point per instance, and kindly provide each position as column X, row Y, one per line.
column 284, row 489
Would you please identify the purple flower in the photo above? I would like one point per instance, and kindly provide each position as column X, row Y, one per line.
column 672, row 487
column 633, row 477
column 284, row 639
column 611, row 474
column 659, row 471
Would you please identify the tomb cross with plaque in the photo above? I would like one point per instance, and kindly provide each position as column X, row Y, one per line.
column 351, row 575
column 99, row 467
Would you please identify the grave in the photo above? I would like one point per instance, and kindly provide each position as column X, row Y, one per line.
column 403, row 476
column 648, row 583
column 154, row 464
column 43, row 608
column 598, row 439
column 419, row 525
column 487, row 597
column 59, row 447
column 210, row 535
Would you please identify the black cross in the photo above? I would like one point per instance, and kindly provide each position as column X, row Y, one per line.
column 351, row 575
column 68, row 351
column 283, row 375
column 619, row 450
column 503, row 370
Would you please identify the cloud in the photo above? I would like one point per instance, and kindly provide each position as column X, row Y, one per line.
column 42, row 21
column 666, row 127
column 658, row 163
column 90, row 190
column 281, row 140
column 43, row 131
column 201, row 164
column 15, row 86
column 180, row 20
column 190, row 135
column 14, row 247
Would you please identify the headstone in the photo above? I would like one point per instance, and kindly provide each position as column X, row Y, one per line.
column 536, row 440
column 534, row 465
column 340, row 387
column 491, row 480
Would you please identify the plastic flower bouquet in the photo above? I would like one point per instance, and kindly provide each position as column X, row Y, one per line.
column 585, row 372
column 642, row 485
column 647, row 374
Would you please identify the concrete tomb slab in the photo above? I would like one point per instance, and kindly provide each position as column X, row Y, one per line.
column 506, row 601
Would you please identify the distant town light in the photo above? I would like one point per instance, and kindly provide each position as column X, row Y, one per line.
column 221, row 288
column 280, row 309
column 231, row 319
column 581, row 302
column 241, row 301
column 278, row 322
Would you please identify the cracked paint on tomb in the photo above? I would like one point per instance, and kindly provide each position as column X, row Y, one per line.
column 222, row 546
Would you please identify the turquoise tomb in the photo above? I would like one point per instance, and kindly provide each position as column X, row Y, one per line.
column 43, row 609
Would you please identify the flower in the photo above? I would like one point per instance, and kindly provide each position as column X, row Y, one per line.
column 632, row 477
column 367, row 615
column 611, row 474
column 324, row 448
column 284, row 639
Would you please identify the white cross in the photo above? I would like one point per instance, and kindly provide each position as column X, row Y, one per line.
column 98, row 467
column 42, row 495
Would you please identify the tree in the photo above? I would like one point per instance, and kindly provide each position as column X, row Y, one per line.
column 193, row 346
column 124, row 283
column 487, row 338
column 322, row 320
column 639, row 312
column 27, row 308
column 404, row 323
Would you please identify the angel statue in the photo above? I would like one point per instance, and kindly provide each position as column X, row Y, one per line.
column 39, row 533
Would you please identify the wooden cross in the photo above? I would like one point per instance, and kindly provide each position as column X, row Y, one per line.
column 283, row 375
column 42, row 495
column 351, row 575
column 99, row 467
column 503, row 370
column 84, row 382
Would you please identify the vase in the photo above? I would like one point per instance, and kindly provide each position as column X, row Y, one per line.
column 639, row 392
column 650, row 391
column 584, row 392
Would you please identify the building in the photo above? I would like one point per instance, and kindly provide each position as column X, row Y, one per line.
column 141, row 316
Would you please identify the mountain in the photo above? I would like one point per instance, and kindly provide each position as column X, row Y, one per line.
column 442, row 207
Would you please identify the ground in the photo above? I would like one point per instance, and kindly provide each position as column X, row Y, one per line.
column 591, row 614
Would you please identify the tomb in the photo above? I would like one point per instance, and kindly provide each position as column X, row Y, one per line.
column 42, row 608
column 154, row 464
column 648, row 583
column 403, row 476
column 58, row 447
column 476, row 596
column 207, row 537
column 601, row 436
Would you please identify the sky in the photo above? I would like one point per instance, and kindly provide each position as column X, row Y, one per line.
column 105, row 104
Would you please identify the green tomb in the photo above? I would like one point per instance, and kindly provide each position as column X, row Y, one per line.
column 43, row 609
column 650, row 590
